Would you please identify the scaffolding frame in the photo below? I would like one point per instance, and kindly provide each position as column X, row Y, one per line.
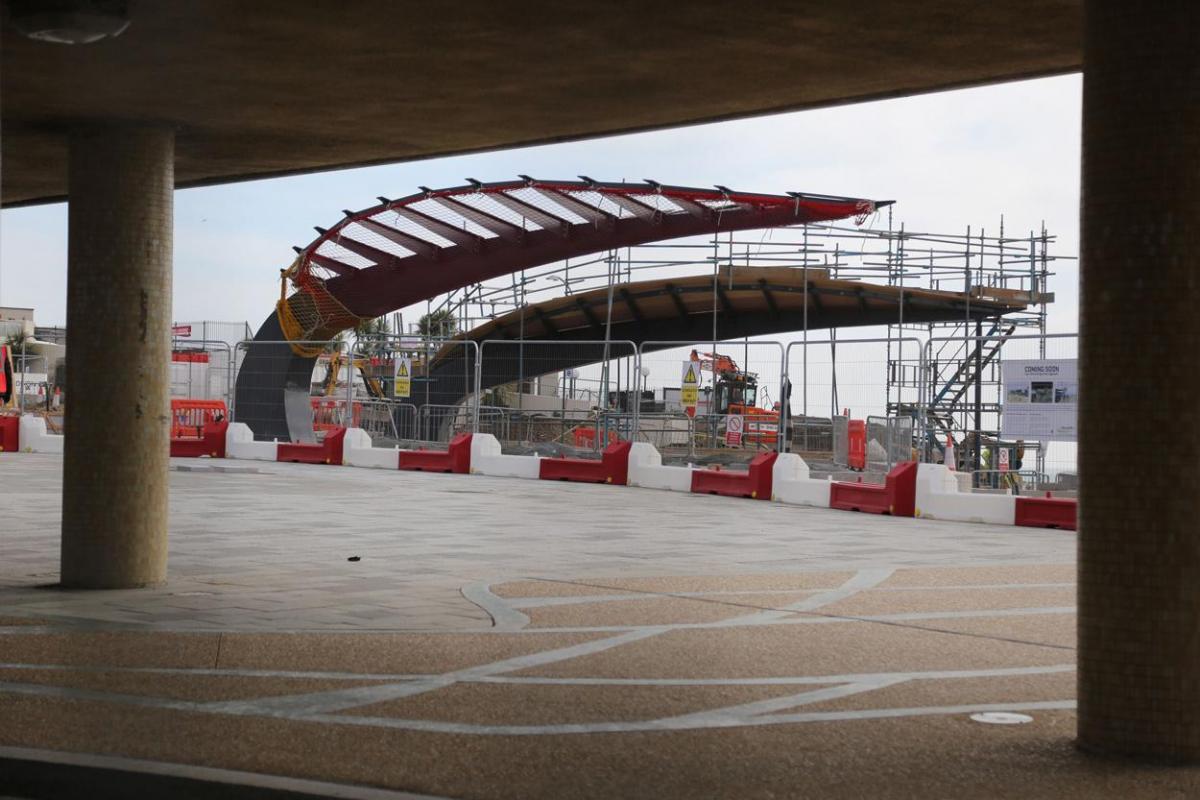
column 963, row 373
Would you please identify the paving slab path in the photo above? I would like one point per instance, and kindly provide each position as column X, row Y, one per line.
column 518, row 639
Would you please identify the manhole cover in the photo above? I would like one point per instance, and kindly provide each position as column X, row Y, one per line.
column 1002, row 718
column 194, row 594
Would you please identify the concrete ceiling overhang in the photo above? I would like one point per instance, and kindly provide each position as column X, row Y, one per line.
column 275, row 88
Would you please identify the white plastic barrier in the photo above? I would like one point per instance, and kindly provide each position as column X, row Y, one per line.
column 239, row 443
column 486, row 459
column 646, row 470
column 791, row 483
column 32, row 436
column 358, row 452
column 938, row 497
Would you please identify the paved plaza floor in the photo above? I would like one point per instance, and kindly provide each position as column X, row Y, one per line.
column 499, row 638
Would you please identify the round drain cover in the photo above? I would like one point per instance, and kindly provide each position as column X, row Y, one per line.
column 1002, row 718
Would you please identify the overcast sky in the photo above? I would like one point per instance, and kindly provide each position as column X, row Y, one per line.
column 949, row 160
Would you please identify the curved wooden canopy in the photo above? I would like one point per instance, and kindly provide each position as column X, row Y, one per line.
column 751, row 301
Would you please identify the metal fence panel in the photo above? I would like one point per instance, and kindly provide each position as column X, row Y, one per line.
column 561, row 393
column 202, row 369
column 738, row 378
column 889, row 441
column 841, row 440
column 835, row 378
column 312, row 396
column 970, row 410
column 441, row 398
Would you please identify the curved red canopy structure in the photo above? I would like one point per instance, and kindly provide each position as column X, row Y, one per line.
column 403, row 251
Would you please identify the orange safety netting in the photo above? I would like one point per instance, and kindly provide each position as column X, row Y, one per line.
column 311, row 316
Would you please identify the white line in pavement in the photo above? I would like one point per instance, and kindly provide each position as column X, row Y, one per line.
column 570, row 600
column 830, row 619
column 550, row 681
column 736, row 715
column 434, row 726
column 339, row 699
column 504, row 616
column 866, row 677
column 705, row 720
column 318, row 706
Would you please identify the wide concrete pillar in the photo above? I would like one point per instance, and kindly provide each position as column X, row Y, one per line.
column 1139, row 424
column 114, row 529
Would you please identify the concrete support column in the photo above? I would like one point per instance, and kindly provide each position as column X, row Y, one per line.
column 1139, row 423
column 114, row 530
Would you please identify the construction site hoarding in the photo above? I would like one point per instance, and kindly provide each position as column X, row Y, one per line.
column 1040, row 399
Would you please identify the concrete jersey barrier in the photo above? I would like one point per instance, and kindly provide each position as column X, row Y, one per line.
column 937, row 492
column 792, row 484
column 34, row 438
column 939, row 497
column 647, row 471
column 487, row 459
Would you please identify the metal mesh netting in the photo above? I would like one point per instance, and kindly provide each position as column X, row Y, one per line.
column 312, row 313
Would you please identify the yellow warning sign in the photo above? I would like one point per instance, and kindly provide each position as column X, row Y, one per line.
column 403, row 384
column 689, row 393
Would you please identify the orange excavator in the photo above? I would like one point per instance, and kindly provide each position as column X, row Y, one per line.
column 736, row 392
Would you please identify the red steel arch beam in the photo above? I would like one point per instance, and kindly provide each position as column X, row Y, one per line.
column 561, row 219
column 404, row 251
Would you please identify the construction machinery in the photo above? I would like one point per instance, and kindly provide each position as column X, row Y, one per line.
column 334, row 369
column 735, row 392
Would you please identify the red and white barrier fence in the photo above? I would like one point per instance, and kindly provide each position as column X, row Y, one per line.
column 930, row 491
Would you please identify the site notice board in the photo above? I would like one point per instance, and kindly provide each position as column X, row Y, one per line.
column 1040, row 399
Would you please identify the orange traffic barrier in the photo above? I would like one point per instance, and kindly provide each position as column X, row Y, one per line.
column 586, row 435
column 857, row 430
column 327, row 414
column 188, row 416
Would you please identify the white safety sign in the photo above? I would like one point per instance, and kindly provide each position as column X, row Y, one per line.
column 734, row 426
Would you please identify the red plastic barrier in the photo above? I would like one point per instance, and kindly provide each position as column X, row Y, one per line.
column 612, row 467
column 897, row 496
column 211, row 444
column 456, row 458
column 188, row 416
column 857, row 452
column 755, row 484
column 10, row 433
column 1046, row 512
column 328, row 414
column 327, row 452
column 586, row 437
